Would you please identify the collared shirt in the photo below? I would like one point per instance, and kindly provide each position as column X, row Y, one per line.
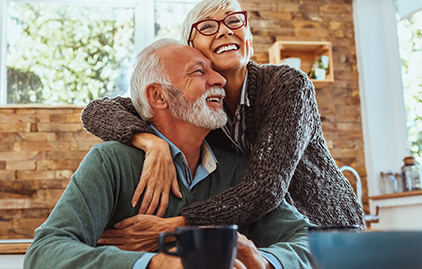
column 207, row 165
column 235, row 128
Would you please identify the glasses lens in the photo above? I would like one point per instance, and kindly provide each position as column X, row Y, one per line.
column 235, row 21
column 207, row 27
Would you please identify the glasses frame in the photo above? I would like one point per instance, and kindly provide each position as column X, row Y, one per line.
column 195, row 25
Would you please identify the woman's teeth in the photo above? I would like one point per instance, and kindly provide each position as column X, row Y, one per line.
column 226, row 48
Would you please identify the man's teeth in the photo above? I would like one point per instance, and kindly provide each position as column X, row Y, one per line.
column 213, row 99
column 226, row 48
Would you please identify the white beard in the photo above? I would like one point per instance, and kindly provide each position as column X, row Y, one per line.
column 197, row 112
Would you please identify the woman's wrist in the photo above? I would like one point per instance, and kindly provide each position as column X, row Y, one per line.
column 148, row 141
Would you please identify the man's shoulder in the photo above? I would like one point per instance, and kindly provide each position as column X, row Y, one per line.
column 116, row 149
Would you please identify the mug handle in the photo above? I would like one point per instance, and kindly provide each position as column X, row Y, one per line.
column 165, row 249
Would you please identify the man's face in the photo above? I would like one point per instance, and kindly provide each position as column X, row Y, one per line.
column 197, row 95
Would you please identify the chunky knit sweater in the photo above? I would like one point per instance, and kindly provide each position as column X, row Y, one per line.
column 289, row 155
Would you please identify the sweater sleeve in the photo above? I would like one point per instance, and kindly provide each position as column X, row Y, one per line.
column 113, row 119
column 286, row 125
column 69, row 237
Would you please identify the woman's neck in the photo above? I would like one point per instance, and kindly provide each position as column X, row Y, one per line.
column 233, row 88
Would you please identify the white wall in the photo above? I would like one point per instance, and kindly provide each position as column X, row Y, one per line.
column 383, row 112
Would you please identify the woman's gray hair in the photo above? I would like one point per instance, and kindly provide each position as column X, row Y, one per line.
column 202, row 10
column 148, row 69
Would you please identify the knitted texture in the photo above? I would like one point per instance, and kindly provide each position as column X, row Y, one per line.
column 289, row 154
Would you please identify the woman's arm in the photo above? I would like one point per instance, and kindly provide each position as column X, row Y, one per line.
column 116, row 119
column 283, row 137
column 113, row 119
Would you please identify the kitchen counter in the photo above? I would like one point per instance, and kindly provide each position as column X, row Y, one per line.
column 12, row 253
column 398, row 211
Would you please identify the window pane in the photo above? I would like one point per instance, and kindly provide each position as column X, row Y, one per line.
column 169, row 16
column 67, row 54
column 410, row 42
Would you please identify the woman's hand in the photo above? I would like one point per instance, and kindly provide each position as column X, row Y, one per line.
column 248, row 255
column 140, row 232
column 158, row 175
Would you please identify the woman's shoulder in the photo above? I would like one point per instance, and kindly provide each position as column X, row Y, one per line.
column 277, row 76
column 277, row 80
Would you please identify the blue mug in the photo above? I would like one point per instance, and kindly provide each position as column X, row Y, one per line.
column 205, row 247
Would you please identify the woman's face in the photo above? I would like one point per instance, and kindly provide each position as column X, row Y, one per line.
column 227, row 49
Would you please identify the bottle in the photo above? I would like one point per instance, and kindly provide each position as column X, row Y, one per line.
column 388, row 183
column 411, row 174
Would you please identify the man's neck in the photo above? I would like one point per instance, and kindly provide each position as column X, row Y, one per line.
column 186, row 137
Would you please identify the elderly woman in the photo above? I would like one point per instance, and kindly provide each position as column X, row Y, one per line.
column 273, row 120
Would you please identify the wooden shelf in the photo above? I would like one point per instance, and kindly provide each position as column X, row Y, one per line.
column 396, row 195
column 308, row 52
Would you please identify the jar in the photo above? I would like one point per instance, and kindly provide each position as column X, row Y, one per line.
column 388, row 183
column 411, row 174
column 397, row 176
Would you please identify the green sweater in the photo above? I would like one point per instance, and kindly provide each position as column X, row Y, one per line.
column 99, row 195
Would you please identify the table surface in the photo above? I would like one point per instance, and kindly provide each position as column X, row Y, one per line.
column 14, row 246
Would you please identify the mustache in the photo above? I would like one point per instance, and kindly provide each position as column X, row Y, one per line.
column 215, row 91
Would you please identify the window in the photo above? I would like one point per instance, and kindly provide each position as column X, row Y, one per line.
column 380, row 87
column 73, row 51
column 410, row 42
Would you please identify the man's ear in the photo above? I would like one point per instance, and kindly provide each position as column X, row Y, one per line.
column 156, row 96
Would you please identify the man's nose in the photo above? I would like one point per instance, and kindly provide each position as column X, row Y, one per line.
column 216, row 79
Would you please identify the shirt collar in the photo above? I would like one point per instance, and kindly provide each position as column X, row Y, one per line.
column 208, row 159
column 244, row 99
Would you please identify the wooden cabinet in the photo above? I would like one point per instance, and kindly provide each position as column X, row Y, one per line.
column 308, row 52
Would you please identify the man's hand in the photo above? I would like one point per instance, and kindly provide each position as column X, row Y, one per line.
column 140, row 232
column 248, row 255
column 158, row 175
column 162, row 260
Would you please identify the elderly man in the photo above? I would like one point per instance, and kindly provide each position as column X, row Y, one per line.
column 176, row 89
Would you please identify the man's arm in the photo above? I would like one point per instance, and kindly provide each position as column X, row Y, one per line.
column 69, row 237
column 283, row 233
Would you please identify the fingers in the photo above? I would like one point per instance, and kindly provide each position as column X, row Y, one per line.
column 138, row 191
column 126, row 222
column 163, row 204
column 175, row 188
column 238, row 265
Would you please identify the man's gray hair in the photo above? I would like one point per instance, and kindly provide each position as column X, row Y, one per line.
column 148, row 69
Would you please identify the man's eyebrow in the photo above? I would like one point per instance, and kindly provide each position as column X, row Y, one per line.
column 201, row 64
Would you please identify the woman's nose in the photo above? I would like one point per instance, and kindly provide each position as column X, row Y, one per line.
column 223, row 31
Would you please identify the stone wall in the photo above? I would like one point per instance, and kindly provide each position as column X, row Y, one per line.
column 40, row 147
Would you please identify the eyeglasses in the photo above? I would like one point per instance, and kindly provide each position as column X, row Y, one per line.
column 210, row 27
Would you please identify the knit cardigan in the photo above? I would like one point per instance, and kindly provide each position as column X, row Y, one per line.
column 289, row 156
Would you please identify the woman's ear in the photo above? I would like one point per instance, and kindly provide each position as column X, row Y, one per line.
column 156, row 96
column 249, row 42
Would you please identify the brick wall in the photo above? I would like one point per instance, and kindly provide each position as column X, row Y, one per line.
column 40, row 149
column 42, row 146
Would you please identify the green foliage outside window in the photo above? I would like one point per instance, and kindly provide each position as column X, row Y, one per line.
column 410, row 39
column 62, row 54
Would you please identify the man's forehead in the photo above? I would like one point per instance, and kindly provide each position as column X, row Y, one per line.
column 183, row 55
